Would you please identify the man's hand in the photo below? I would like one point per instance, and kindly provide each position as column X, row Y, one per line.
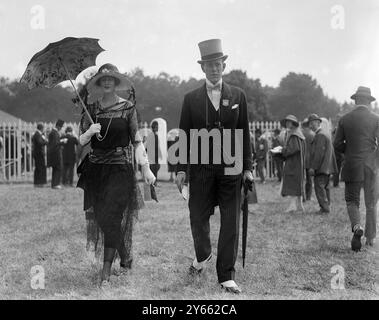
column 180, row 178
column 311, row 172
column 247, row 175
column 147, row 174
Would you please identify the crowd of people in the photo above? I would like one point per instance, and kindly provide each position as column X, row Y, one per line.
column 62, row 155
column 304, row 153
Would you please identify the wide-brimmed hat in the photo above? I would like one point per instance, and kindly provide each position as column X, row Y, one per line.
column 211, row 50
column 313, row 117
column 110, row 70
column 291, row 118
column 363, row 92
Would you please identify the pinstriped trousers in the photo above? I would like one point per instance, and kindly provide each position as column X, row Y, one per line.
column 209, row 187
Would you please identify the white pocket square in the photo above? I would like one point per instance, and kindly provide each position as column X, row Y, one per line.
column 235, row 106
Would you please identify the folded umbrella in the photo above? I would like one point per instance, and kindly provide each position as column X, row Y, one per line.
column 60, row 61
column 247, row 186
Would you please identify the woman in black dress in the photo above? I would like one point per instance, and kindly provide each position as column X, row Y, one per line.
column 107, row 175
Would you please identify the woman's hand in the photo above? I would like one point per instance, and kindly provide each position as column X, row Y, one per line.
column 147, row 174
column 94, row 128
column 86, row 136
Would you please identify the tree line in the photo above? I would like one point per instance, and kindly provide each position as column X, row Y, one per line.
column 162, row 95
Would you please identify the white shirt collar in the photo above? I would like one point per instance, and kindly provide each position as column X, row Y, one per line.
column 210, row 84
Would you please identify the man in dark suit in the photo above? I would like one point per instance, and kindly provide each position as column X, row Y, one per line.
column 218, row 108
column 357, row 137
column 69, row 157
column 39, row 142
column 322, row 162
column 54, row 154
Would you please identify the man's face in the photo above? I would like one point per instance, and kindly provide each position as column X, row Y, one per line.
column 213, row 70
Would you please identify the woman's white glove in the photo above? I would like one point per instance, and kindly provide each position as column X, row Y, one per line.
column 147, row 174
column 86, row 136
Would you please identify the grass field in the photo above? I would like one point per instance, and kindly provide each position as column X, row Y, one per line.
column 289, row 256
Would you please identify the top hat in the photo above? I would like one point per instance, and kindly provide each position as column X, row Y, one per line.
column 291, row 118
column 363, row 92
column 59, row 123
column 314, row 117
column 110, row 70
column 211, row 50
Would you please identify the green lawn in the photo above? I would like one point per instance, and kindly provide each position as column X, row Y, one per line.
column 289, row 256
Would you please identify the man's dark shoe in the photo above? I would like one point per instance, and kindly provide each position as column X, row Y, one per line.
column 356, row 244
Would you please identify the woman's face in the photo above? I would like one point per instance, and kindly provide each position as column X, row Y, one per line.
column 108, row 84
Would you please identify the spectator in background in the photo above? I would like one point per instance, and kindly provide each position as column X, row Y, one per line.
column 1, row 157
column 153, row 150
column 172, row 167
column 309, row 136
column 294, row 165
column 39, row 142
column 339, row 161
column 278, row 158
column 54, row 154
column 69, row 157
column 261, row 145
column 322, row 162
column 357, row 138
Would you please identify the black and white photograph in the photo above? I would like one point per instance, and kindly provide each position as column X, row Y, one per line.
column 215, row 151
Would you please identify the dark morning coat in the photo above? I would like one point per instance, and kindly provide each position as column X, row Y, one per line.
column 357, row 138
column 323, row 159
column 193, row 116
column 54, row 153
column 294, row 164
column 38, row 149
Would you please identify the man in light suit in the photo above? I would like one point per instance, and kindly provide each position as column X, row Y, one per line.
column 322, row 162
column 220, row 107
column 357, row 138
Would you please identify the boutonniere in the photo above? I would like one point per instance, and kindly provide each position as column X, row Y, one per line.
column 225, row 102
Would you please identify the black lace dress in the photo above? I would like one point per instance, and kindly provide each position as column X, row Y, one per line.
column 108, row 179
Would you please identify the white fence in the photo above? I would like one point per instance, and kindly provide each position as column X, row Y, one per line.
column 16, row 161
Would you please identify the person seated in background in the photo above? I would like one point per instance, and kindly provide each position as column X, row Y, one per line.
column 69, row 157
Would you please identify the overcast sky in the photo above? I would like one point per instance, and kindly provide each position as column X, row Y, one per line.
column 267, row 38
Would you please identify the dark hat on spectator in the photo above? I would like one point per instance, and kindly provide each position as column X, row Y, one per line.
column 363, row 92
column 313, row 117
column 291, row 118
column 59, row 123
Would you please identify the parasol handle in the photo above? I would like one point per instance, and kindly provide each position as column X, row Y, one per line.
column 77, row 93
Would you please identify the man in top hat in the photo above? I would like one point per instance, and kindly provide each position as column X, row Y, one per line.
column 215, row 107
column 357, row 138
column 54, row 154
column 322, row 162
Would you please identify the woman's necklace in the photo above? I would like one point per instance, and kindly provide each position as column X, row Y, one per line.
column 109, row 123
